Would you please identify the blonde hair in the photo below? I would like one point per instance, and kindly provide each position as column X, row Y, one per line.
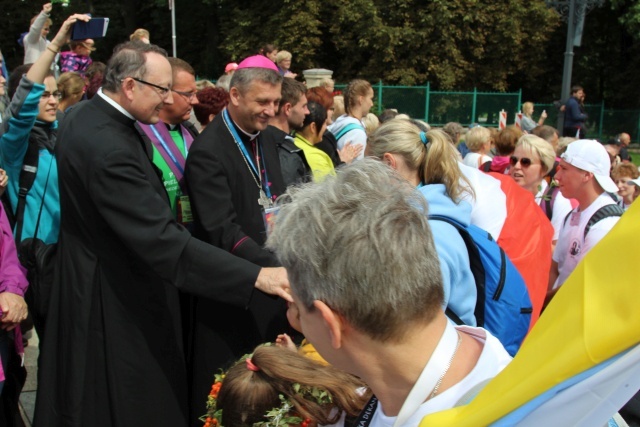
column 436, row 162
column 201, row 84
column 283, row 55
column 563, row 143
column 338, row 106
column 140, row 34
column 541, row 148
column 326, row 82
column 70, row 83
column 527, row 108
column 477, row 137
column 371, row 123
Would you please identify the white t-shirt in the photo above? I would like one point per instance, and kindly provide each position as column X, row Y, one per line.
column 473, row 160
column 489, row 206
column 356, row 136
column 492, row 360
column 572, row 246
column 561, row 207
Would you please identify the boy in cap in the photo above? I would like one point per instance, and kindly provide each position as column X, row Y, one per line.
column 583, row 175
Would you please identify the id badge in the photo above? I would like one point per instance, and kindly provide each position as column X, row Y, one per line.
column 269, row 216
column 184, row 210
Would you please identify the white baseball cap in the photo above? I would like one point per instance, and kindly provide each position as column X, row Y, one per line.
column 591, row 156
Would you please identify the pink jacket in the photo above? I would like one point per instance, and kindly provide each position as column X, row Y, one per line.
column 13, row 276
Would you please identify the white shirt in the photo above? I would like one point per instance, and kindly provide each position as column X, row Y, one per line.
column 492, row 360
column 114, row 104
column 355, row 136
column 572, row 246
column 489, row 206
column 472, row 160
column 561, row 207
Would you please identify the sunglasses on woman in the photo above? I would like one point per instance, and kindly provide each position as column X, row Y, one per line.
column 524, row 161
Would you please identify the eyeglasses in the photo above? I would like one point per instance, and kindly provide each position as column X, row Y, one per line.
column 57, row 94
column 524, row 161
column 188, row 95
column 163, row 91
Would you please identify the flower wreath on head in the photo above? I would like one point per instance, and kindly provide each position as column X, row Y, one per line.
column 282, row 416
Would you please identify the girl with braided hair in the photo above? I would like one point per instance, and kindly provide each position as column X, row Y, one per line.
column 277, row 384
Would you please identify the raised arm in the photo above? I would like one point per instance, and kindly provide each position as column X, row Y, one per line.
column 40, row 68
column 36, row 28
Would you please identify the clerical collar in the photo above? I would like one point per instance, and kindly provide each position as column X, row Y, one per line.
column 251, row 136
column 114, row 104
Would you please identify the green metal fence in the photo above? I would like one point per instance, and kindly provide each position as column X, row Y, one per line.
column 438, row 108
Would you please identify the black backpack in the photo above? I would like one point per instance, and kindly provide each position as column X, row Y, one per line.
column 607, row 211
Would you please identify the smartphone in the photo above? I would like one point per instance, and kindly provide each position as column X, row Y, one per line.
column 96, row 28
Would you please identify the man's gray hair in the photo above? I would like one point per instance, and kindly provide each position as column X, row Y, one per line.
column 243, row 77
column 360, row 242
column 128, row 60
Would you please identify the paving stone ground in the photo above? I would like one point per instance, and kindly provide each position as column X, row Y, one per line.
column 28, row 396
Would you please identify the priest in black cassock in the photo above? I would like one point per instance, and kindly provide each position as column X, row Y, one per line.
column 233, row 176
column 112, row 355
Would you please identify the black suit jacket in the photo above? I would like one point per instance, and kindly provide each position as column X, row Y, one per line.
column 224, row 201
column 112, row 354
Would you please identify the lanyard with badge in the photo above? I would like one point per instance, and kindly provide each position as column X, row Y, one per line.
column 183, row 205
column 265, row 200
column 427, row 385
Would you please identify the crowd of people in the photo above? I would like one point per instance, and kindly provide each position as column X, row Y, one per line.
column 194, row 223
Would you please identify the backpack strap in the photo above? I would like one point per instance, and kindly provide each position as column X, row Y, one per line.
column 348, row 128
column 454, row 317
column 364, row 419
column 549, row 198
column 486, row 166
column 477, row 269
column 26, row 180
column 607, row 211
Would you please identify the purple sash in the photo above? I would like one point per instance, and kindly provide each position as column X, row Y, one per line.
column 175, row 160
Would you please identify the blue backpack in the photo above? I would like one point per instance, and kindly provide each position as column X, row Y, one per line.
column 503, row 306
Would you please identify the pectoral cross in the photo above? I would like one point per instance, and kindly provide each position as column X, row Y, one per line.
column 264, row 200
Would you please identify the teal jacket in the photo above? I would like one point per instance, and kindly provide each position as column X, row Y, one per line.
column 19, row 124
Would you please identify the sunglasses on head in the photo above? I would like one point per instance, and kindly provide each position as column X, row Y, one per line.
column 524, row 161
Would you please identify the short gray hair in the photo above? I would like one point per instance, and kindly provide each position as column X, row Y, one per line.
column 128, row 60
column 243, row 77
column 360, row 242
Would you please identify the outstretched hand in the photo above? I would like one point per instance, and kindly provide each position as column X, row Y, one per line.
column 47, row 7
column 285, row 341
column 64, row 34
column 350, row 152
column 274, row 281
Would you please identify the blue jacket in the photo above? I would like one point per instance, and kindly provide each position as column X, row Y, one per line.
column 574, row 117
column 459, row 285
column 20, row 123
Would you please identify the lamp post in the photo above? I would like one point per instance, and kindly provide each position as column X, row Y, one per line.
column 574, row 12
column 172, row 7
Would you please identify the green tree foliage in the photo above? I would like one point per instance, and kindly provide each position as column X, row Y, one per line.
column 453, row 44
